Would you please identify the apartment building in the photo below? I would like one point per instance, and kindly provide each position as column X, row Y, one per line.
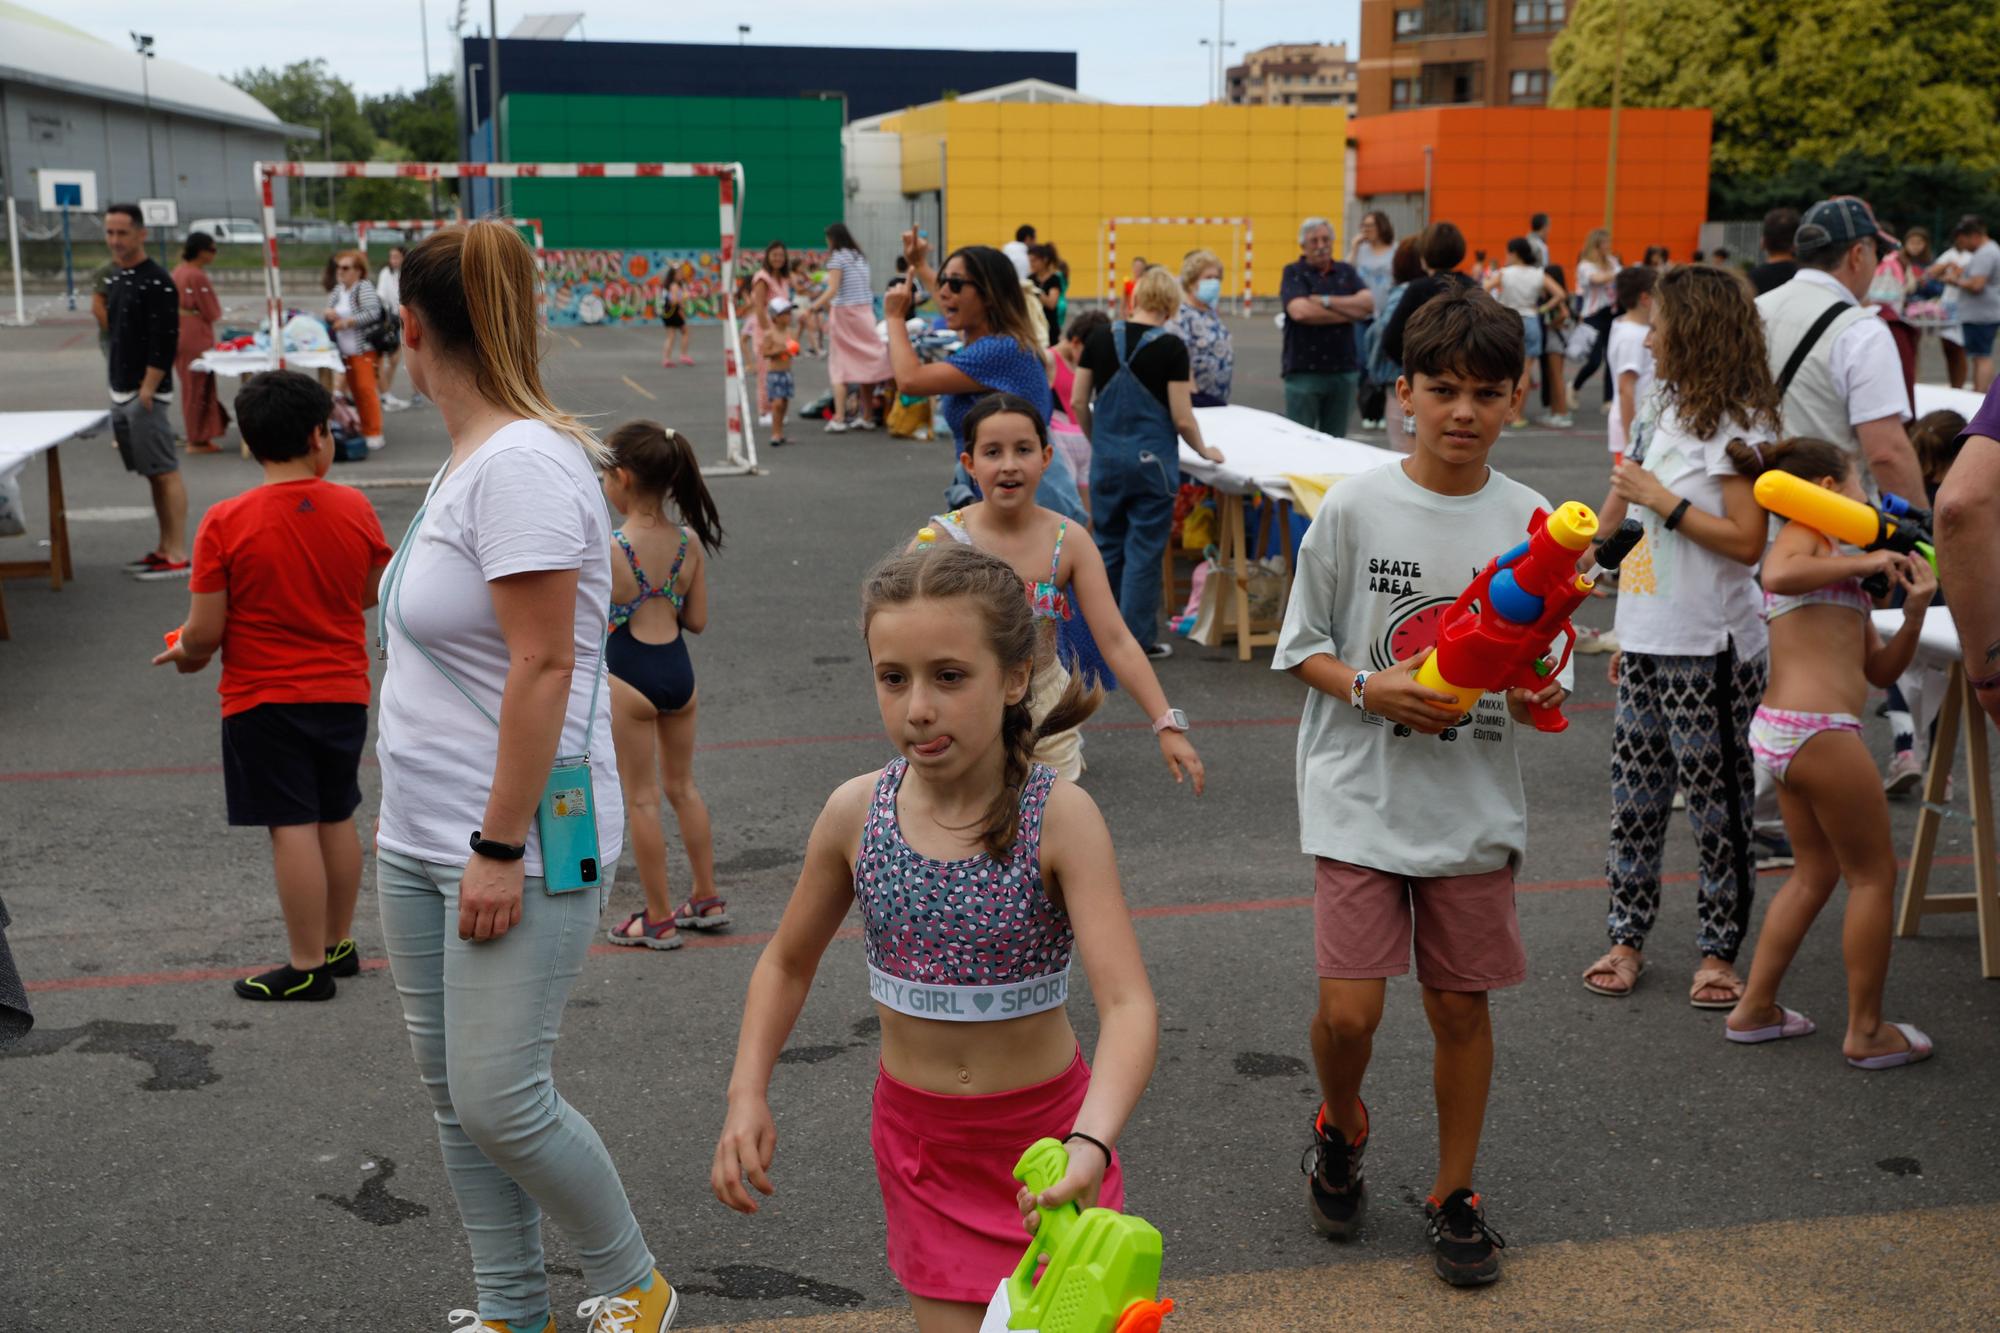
column 1418, row 54
column 1294, row 74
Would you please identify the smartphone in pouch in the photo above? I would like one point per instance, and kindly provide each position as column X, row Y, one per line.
column 567, row 823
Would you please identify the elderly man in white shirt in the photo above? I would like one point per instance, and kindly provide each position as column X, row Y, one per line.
column 1846, row 385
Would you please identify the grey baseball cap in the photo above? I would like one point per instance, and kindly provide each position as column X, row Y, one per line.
column 1839, row 221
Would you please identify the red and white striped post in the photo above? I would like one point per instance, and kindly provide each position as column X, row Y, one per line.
column 742, row 444
column 1111, row 288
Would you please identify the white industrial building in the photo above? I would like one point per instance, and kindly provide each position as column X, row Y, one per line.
column 72, row 101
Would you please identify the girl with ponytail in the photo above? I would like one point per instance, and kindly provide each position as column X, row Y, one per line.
column 659, row 596
column 493, row 625
column 977, row 871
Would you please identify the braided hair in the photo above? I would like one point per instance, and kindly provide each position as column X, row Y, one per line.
column 946, row 571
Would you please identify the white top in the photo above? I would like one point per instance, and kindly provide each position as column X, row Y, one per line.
column 1381, row 562
column 1676, row 598
column 526, row 500
column 1018, row 252
column 1521, row 288
column 1628, row 351
column 1867, row 370
column 853, row 271
column 1594, row 281
column 389, row 288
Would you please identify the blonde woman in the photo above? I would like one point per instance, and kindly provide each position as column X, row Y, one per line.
column 1211, row 356
column 494, row 621
column 352, row 311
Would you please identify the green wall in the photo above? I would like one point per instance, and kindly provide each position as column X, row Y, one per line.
column 789, row 148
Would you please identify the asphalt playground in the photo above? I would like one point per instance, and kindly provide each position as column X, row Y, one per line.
column 174, row 1158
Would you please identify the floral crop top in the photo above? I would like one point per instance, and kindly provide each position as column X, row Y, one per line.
column 1046, row 599
column 622, row 611
column 971, row 940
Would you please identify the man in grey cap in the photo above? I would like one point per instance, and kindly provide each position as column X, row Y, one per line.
column 1836, row 363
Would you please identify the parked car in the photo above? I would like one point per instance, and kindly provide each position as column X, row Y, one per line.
column 230, row 231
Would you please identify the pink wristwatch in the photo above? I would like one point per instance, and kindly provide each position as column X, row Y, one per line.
column 1171, row 720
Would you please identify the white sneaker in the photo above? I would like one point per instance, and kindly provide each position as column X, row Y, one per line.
column 375, row 443
column 1596, row 640
column 1903, row 775
column 862, row 423
column 1559, row 422
column 835, row 426
column 764, row 419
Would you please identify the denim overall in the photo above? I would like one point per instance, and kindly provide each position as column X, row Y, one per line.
column 1135, row 473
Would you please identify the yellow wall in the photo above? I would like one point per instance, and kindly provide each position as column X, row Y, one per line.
column 1067, row 168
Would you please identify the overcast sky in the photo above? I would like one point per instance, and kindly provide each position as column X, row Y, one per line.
column 1127, row 51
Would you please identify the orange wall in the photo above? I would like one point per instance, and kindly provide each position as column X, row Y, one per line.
column 1491, row 168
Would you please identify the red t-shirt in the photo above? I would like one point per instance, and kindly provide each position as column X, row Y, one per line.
column 295, row 560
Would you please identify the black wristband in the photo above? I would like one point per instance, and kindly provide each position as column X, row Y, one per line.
column 1674, row 519
column 1093, row 1142
column 497, row 851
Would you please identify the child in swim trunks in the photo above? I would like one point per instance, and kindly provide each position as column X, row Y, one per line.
column 659, row 590
column 978, row 872
column 1825, row 654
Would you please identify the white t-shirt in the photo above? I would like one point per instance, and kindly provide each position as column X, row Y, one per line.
column 1380, row 564
column 1865, row 365
column 1521, row 288
column 1677, row 598
column 1594, row 283
column 1628, row 351
column 1017, row 251
column 526, row 500
column 389, row 288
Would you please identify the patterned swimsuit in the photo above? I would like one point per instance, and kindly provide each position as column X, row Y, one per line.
column 970, row 940
column 1777, row 734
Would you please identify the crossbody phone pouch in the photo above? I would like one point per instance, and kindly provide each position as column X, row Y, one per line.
column 566, row 816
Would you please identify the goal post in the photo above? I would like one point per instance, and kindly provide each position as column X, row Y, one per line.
column 1244, row 241
column 739, row 439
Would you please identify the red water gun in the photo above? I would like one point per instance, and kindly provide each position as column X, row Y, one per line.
column 1496, row 636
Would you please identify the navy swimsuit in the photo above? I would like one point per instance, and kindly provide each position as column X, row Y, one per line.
column 662, row 672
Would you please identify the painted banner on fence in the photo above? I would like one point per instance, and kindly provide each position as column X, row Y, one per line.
column 630, row 286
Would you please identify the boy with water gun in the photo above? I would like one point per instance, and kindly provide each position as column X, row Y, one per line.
column 1410, row 796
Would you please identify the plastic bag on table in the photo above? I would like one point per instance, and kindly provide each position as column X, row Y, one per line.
column 13, row 513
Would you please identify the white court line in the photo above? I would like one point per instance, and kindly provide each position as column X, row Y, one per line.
column 639, row 388
column 110, row 514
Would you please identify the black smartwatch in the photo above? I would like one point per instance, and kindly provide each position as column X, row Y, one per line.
column 497, row 851
column 1674, row 519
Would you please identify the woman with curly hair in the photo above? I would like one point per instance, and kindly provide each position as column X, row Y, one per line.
column 1691, row 666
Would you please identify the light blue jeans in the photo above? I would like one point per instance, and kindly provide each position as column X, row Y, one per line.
column 483, row 1020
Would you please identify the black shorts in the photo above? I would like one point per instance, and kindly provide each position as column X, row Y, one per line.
column 293, row 763
column 674, row 319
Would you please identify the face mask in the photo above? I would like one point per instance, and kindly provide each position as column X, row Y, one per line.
column 1207, row 290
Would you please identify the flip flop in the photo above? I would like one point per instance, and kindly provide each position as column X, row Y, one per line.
column 1920, row 1049
column 1791, row 1024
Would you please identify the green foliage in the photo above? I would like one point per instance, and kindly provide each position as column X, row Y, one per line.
column 401, row 126
column 1885, row 98
column 424, row 123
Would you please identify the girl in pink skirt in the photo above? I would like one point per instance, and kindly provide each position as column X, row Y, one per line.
column 977, row 872
column 857, row 358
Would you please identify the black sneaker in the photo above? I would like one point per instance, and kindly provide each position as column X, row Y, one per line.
column 285, row 982
column 1336, row 1196
column 343, row 960
column 1466, row 1251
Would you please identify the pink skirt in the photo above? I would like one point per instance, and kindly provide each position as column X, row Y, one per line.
column 854, row 354
column 946, row 1166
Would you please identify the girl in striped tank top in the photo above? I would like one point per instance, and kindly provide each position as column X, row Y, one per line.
column 978, row 872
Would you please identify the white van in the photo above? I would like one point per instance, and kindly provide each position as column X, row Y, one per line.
column 230, row 231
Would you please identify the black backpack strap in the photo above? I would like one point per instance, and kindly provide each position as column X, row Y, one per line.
column 1806, row 344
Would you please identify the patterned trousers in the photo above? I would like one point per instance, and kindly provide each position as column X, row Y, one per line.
column 1683, row 722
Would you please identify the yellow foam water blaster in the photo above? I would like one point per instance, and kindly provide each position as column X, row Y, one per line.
column 926, row 535
column 1102, row 1271
column 1840, row 518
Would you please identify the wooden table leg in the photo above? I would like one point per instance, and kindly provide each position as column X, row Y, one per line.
column 1916, row 880
column 1981, row 796
column 5, row 633
column 60, row 567
column 1239, row 568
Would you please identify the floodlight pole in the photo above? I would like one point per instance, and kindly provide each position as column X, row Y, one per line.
column 1617, row 99
column 143, row 44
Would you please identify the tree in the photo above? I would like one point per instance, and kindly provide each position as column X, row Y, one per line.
column 424, row 123
column 307, row 93
column 1811, row 97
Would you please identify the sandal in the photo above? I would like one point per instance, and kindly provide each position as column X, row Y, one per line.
column 1790, row 1023
column 1711, row 978
column 1623, row 967
column 694, row 914
column 1919, row 1050
column 652, row 934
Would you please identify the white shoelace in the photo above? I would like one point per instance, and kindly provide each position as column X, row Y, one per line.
column 609, row 1314
column 462, row 1321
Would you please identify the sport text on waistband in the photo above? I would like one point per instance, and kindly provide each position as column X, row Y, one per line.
column 969, row 1004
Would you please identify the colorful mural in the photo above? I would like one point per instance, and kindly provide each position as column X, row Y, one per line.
column 627, row 286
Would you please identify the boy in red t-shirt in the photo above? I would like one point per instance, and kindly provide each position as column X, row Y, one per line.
column 282, row 574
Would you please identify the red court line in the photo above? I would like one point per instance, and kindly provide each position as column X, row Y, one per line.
column 695, row 940
column 753, row 743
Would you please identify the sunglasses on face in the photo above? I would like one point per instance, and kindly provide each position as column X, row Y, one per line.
column 345, row 268
column 955, row 284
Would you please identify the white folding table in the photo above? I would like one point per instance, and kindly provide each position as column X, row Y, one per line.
column 22, row 436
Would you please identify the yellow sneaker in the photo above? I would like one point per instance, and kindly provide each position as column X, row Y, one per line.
column 647, row 1309
column 468, row 1321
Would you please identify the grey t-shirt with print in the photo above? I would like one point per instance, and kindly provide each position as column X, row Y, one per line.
column 1382, row 562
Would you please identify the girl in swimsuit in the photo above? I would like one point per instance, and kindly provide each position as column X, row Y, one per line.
column 1825, row 654
column 977, row 872
column 1007, row 446
column 659, row 591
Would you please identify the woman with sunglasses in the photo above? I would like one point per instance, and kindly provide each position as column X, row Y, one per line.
column 979, row 294
column 352, row 309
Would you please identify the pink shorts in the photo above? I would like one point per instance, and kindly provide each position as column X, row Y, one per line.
column 946, row 1166
column 1466, row 933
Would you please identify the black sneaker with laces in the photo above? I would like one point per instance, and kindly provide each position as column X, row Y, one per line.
column 1465, row 1251
column 1336, row 1195
column 343, row 960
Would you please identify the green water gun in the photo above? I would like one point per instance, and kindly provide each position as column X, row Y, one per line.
column 1103, row 1273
